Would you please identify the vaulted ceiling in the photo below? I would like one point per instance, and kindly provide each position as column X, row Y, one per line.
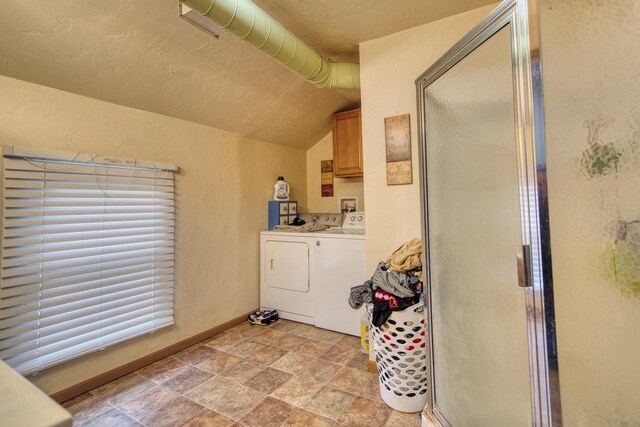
column 139, row 54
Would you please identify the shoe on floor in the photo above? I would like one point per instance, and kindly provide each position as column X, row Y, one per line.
column 263, row 317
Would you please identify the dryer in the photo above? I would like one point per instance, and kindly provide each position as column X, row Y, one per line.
column 307, row 276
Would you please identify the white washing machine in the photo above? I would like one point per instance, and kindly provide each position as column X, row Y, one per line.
column 307, row 276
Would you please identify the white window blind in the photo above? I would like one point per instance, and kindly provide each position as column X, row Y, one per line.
column 87, row 254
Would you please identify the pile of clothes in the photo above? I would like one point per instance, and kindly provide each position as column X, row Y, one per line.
column 395, row 285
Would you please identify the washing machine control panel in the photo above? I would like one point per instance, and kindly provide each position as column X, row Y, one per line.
column 328, row 219
column 353, row 221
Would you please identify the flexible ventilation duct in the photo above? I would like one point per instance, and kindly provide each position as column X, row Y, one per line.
column 251, row 23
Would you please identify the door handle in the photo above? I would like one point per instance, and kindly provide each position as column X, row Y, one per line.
column 523, row 257
column 271, row 264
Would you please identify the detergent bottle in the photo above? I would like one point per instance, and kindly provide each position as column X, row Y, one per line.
column 281, row 189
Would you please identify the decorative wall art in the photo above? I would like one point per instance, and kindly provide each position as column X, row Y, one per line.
column 326, row 178
column 348, row 204
column 397, row 132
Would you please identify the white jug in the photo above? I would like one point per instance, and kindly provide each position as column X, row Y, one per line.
column 281, row 189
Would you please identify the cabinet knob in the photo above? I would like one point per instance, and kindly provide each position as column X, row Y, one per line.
column 317, row 242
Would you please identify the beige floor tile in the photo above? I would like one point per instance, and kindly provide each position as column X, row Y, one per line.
column 186, row 350
column 246, row 330
column 245, row 349
column 297, row 390
column 269, row 413
column 173, row 414
column 338, row 354
column 351, row 380
column 163, row 369
column 359, row 361
column 268, row 380
column 365, row 413
column 269, row 336
column 210, row 391
column 187, row 380
column 291, row 362
column 313, row 333
column 243, row 371
column 290, row 342
column 350, row 341
column 197, row 355
column 268, row 355
column 237, row 402
column 223, row 341
column 329, row 402
column 316, row 378
column 123, row 388
column 284, row 325
column 312, row 348
column 319, row 370
column 86, row 407
column 304, row 418
column 147, row 402
column 113, row 418
column 218, row 362
column 372, row 389
column 208, row 418
column 400, row 419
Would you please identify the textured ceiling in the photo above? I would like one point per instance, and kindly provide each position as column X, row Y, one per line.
column 138, row 53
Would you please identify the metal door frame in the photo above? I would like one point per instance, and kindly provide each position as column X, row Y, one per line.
column 527, row 80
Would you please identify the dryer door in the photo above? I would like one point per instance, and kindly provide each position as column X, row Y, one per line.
column 287, row 265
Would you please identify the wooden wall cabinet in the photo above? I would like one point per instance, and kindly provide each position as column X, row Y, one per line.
column 347, row 144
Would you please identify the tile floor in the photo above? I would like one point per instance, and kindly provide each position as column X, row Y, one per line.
column 285, row 374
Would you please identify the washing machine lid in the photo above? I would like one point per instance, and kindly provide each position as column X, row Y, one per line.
column 335, row 233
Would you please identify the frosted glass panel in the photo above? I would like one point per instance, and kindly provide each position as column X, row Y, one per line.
column 591, row 61
column 481, row 362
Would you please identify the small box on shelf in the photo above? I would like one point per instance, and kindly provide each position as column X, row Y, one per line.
column 282, row 212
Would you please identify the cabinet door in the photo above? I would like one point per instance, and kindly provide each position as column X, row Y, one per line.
column 347, row 144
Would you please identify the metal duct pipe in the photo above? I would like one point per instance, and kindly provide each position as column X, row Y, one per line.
column 251, row 23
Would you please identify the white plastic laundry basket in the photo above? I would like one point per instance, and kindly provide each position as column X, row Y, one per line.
column 401, row 355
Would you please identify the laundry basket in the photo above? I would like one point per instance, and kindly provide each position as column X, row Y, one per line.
column 401, row 355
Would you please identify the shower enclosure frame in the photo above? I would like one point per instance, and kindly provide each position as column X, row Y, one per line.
column 523, row 15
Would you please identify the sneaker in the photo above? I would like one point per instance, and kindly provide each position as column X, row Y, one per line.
column 272, row 315
column 263, row 317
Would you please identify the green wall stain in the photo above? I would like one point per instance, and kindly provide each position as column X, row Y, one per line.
column 624, row 257
column 601, row 158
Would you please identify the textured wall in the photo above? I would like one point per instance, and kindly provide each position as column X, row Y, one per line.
column 591, row 88
column 389, row 67
column 323, row 150
column 222, row 191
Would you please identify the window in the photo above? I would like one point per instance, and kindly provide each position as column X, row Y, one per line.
column 87, row 254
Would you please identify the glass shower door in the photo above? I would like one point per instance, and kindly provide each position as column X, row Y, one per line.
column 479, row 320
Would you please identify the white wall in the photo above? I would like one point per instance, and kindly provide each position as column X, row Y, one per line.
column 222, row 190
column 388, row 69
column 590, row 62
column 323, row 150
